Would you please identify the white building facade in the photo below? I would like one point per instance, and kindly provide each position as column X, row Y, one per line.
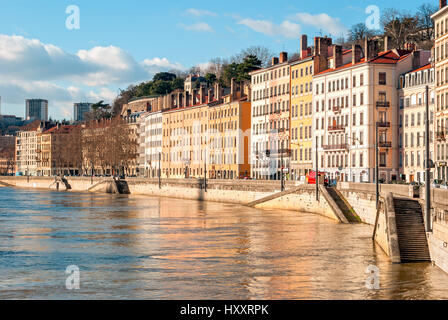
column 150, row 140
column 412, row 95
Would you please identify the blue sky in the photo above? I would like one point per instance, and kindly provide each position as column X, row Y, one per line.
column 124, row 42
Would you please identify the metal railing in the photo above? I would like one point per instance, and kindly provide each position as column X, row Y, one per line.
column 342, row 146
column 382, row 104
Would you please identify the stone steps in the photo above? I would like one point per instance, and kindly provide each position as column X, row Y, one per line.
column 411, row 232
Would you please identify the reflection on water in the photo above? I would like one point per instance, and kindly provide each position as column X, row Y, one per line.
column 154, row 248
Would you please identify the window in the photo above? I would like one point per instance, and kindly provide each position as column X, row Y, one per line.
column 382, row 159
column 382, row 78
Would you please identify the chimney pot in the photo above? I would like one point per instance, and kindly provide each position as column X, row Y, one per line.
column 337, row 56
column 283, row 57
column 303, row 46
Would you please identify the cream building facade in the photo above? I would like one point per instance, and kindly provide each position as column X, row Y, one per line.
column 412, row 95
column 271, row 128
column 355, row 94
column 441, row 108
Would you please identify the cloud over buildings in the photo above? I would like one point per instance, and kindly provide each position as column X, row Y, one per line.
column 286, row 29
column 322, row 21
column 31, row 68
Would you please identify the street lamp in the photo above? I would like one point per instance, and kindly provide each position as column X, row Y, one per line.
column 428, row 167
column 160, row 170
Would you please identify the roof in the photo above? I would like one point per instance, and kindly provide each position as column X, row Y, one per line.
column 60, row 129
column 425, row 67
column 385, row 57
column 33, row 126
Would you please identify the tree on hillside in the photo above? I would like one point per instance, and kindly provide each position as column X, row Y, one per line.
column 161, row 87
column 211, row 79
column 263, row 54
column 358, row 33
column 164, row 76
column 400, row 26
column 250, row 63
column 123, row 98
column 178, row 83
column 426, row 24
column 100, row 110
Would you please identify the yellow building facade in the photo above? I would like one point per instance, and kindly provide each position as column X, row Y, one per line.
column 184, row 142
column 229, row 137
column 301, row 117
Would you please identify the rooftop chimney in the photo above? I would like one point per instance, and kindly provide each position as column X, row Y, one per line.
column 202, row 95
column 303, row 46
column 337, row 56
column 387, row 43
column 283, row 57
column 442, row 4
column 187, row 99
column 209, row 95
column 218, row 92
column 356, row 53
column 370, row 49
column 274, row 61
column 321, row 53
column 415, row 60
column 233, row 89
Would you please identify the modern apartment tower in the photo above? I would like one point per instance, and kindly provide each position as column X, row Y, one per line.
column 80, row 110
column 36, row 109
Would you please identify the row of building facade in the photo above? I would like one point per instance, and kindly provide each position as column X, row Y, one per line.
column 328, row 106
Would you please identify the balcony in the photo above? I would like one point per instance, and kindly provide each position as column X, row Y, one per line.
column 383, row 124
column 382, row 104
column 343, row 146
column 385, row 144
column 337, row 127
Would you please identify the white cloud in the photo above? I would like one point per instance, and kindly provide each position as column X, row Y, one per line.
column 61, row 99
column 286, row 29
column 32, row 60
column 322, row 21
column 156, row 64
column 32, row 69
column 201, row 13
column 199, row 26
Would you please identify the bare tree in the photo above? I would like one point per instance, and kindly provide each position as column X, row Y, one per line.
column 400, row 26
column 425, row 25
column 264, row 54
column 358, row 33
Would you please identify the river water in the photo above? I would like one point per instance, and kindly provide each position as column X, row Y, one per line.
column 159, row 248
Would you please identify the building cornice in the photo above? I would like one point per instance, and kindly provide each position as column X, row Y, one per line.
column 439, row 13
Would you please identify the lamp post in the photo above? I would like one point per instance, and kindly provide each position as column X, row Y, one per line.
column 317, row 169
column 377, row 185
column 205, row 170
column 281, row 172
column 428, row 167
column 160, row 170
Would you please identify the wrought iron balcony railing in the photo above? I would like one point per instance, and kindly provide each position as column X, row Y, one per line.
column 343, row 146
column 385, row 144
column 382, row 104
column 383, row 124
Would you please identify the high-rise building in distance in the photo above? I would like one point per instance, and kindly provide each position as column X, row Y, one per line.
column 79, row 111
column 36, row 109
